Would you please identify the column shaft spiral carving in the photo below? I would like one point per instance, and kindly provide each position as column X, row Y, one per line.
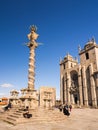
column 32, row 36
column 31, row 71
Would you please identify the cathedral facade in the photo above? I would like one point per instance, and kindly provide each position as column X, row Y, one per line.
column 79, row 81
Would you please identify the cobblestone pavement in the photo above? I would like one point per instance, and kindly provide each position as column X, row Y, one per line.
column 80, row 119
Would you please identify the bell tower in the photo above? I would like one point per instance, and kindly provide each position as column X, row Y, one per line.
column 89, row 64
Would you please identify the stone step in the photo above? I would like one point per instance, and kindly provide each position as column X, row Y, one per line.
column 19, row 114
column 38, row 115
column 10, row 118
column 19, row 111
column 10, row 121
column 28, row 120
column 15, row 116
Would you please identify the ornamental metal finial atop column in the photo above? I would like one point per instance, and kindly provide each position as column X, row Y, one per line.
column 32, row 36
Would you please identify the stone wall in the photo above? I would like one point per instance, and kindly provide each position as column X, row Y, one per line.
column 47, row 97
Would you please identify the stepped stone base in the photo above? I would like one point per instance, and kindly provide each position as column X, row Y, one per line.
column 40, row 115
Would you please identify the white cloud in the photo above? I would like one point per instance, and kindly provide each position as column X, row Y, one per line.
column 6, row 85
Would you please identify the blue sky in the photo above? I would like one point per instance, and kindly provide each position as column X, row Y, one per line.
column 62, row 26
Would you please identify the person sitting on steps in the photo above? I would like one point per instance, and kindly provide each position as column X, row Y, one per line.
column 9, row 106
column 27, row 114
column 66, row 110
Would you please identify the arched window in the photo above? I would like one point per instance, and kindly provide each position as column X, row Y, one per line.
column 87, row 55
column 64, row 65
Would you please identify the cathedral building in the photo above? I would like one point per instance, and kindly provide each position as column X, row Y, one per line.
column 79, row 81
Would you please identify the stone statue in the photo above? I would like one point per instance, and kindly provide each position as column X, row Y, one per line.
column 73, row 87
column 79, row 48
column 32, row 36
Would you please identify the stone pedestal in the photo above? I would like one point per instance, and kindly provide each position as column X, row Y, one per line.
column 29, row 98
column 14, row 98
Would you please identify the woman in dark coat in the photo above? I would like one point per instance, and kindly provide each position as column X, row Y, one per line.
column 66, row 110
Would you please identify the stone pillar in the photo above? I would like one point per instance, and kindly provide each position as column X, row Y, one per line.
column 61, row 84
column 31, row 71
column 93, row 89
column 65, row 89
column 32, row 45
column 96, row 86
column 96, row 78
column 68, row 87
column 80, row 87
column 61, row 89
column 85, row 86
column 72, row 99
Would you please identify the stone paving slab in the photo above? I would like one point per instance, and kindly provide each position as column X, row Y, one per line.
column 80, row 119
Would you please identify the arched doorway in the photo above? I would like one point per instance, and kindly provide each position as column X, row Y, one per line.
column 74, row 88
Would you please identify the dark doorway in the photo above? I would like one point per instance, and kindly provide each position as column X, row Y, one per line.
column 75, row 99
column 75, row 86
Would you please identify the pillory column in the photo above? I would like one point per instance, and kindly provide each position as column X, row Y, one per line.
column 32, row 45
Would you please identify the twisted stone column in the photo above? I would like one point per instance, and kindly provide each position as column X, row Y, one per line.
column 31, row 71
column 32, row 36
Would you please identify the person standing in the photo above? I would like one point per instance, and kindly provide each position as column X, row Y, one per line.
column 60, row 108
column 70, row 107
